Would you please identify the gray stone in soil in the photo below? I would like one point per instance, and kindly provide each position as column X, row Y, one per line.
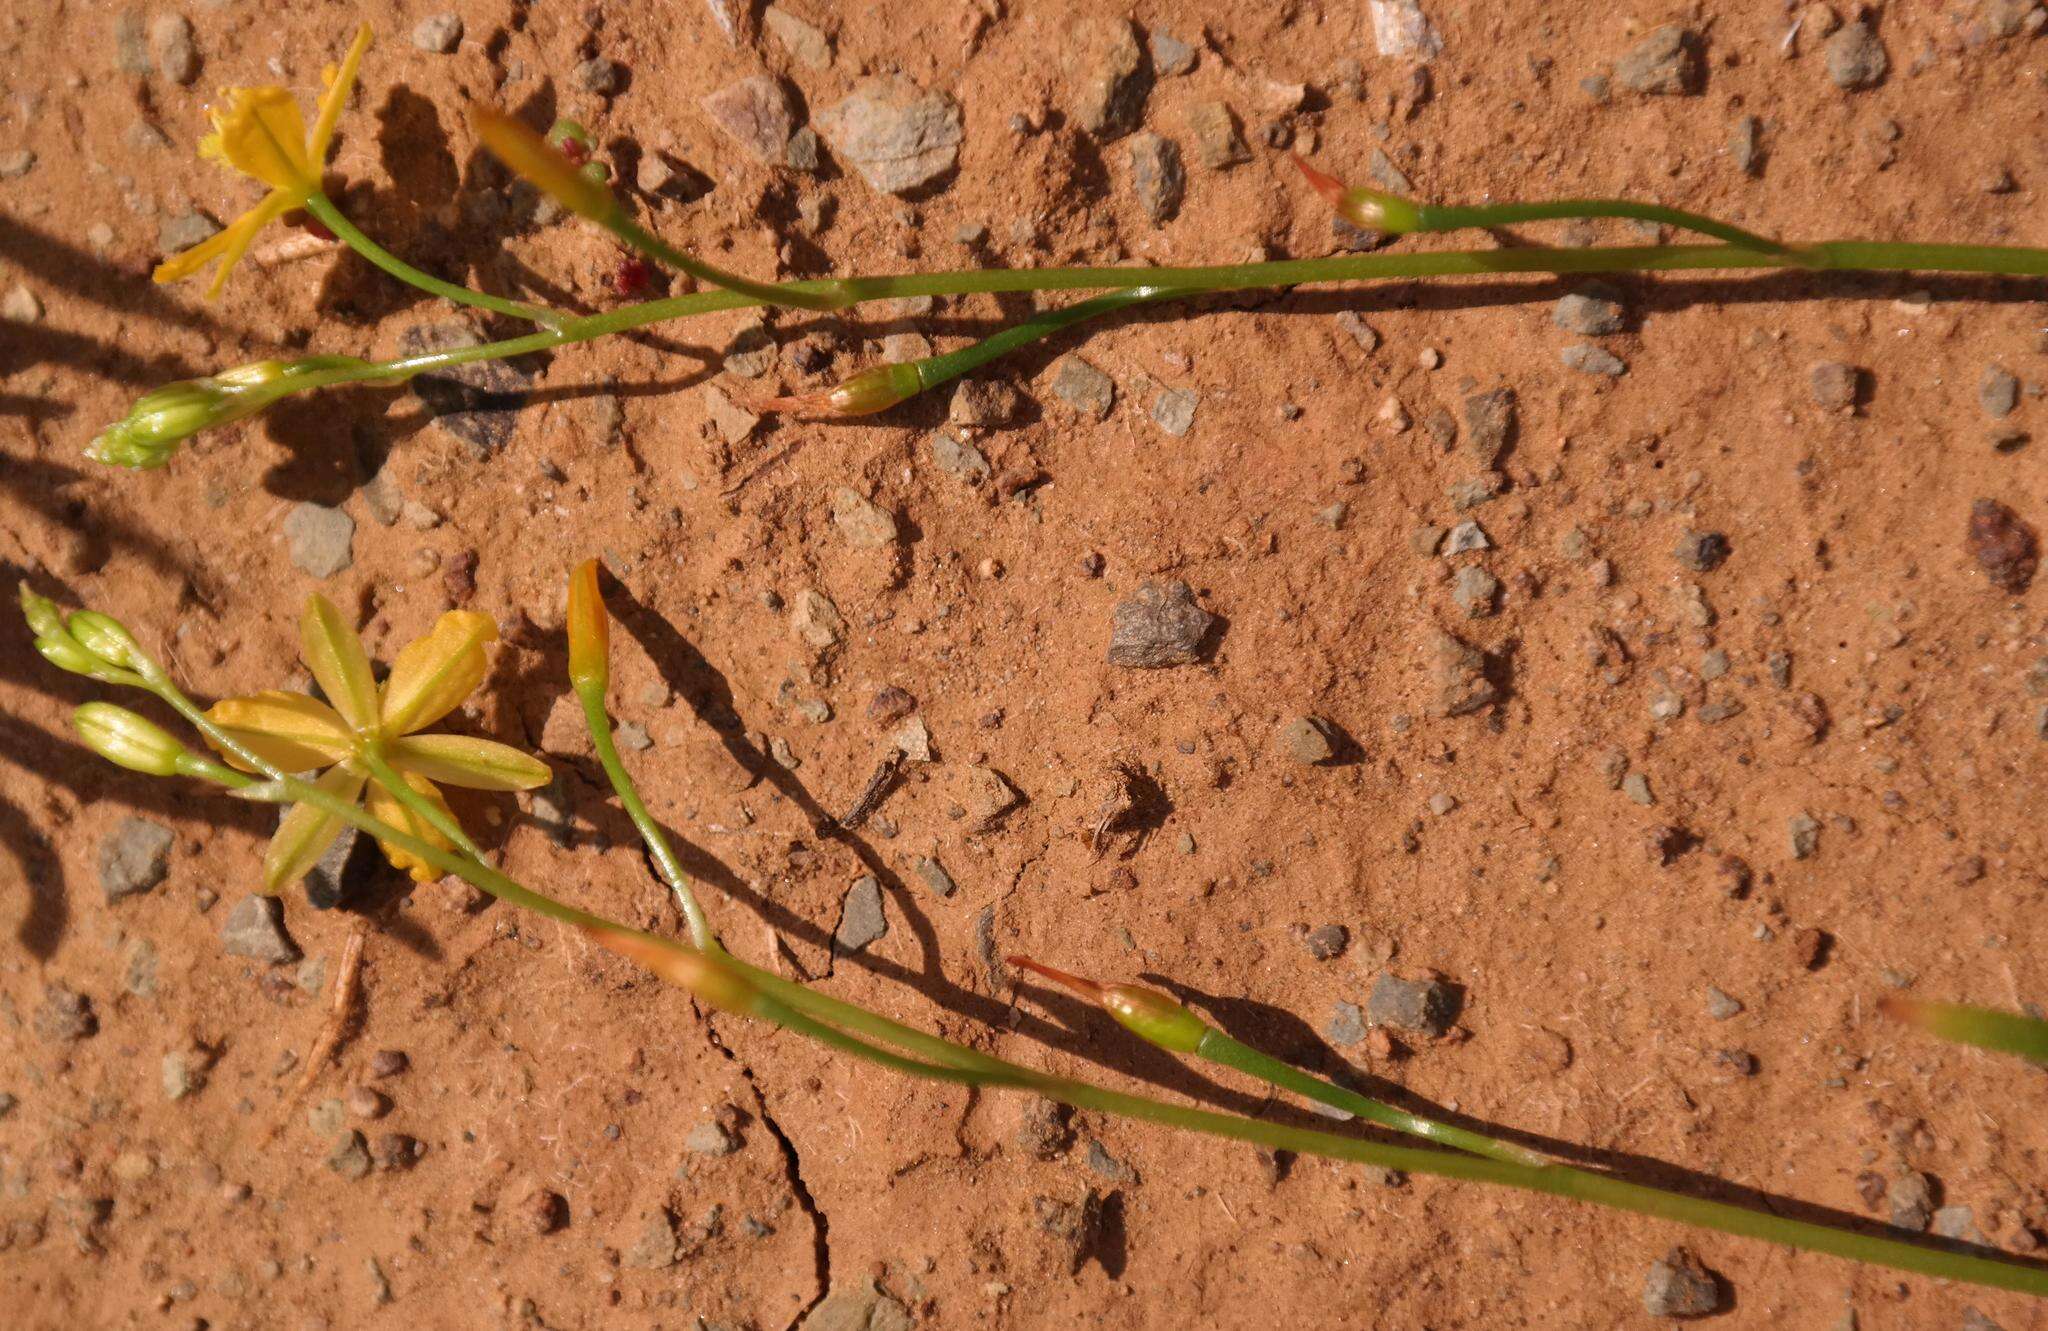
column 1959, row 1223
column 170, row 38
column 1465, row 538
column 757, row 114
column 1425, row 1007
column 1998, row 392
column 900, row 137
column 1976, row 1321
column 1105, row 68
column 180, row 1075
column 1475, row 490
column 1174, row 411
column 255, row 929
column 1802, row 832
column 478, row 403
column 1307, row 740
column 344, row 871
column 1637, row 787
column 1460, row 670
column 1721, row 1006
column 1702, row 551
column 131, row 44
column 1834, row 386
column 184, row 230
column 1157, row 177
column 804, row 42
column 1678, row 1286
column 1328, row 942
column 1911, row 1199
column 1158, row 626
column 861, row 918
column 710, row 1138
column 1170, row 55
column 1587, row 315
column 1665, row 63
column 349, row 1156
column 438, row 34
column 1856, row 59
column 864, row 524
column 1218, row 143
column 1589, row 359
column 934, row 875
column 321, row 540
column 17, row 163
column 134, row 858
column 1346, row 1025
column 599, row 75
column 1082, row 387
column 1489, row 424
column 65, row 1016
column 1476, row 591
column 656, row 1246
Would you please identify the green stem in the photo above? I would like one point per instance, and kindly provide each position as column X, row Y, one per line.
column 813, row 296
column 1220, row 1048
column 935, row 370
column 964, row 1066
column 352, row 236
column 1434, row 217
column 1837, row 256
column 592, row 698
column 1575, row 1184
column 393, row 781
column 159, row 683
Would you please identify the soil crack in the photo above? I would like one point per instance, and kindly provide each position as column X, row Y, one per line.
column 793, row 1169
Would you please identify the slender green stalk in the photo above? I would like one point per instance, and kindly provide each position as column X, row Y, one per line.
column 1833, row 256
column 964, row 1066
column 935, row 370
column 1986, row 1028
column 818, row 296
column 1435, row 217
column 161, row 685
column 349, row 234
column 384, row 774
column 650, row 831
column 1220, row 1048
column 1575, row 1184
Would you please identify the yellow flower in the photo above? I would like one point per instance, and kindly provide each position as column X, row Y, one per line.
column 297, row 733
column 260, row 133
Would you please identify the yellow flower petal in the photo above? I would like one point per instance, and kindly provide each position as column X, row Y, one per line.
column 383, row 805
column 261, row 133
column 243, row 230
column 187, row 262
column 305, row 833
column 530, row 156
column 476, row 764
column 434, row 674
column 340, row 83
column 335, row 655
column 291, row 731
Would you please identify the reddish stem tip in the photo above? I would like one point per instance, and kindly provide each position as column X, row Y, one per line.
column 1088, row 989
column 1329, row 187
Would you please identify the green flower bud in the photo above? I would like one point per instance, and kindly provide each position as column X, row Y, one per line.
column 63, row 651
column 126, row 740
column 107, row 638
column 41, row 613
column 150, row 434
column 1152, row 1016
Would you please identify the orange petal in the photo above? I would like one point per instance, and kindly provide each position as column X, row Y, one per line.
column 340, row 83
column 385, row 806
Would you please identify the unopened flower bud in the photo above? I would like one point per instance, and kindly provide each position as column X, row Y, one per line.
column 41, row 613
column 107, row 638
column 589, row 629
column 866, row 393
column 64, row 652
column 1154, row 1017
column 149, row 435
column 542, row 164
column 710, row 979
column 127, row 740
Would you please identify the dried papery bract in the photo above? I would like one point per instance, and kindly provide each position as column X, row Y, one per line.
column 1375, row 210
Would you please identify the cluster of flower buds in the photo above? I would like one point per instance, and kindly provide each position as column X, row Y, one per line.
column 159, row 423
column 87, row 643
